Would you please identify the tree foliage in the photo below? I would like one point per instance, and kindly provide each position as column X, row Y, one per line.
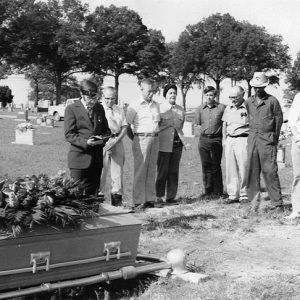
column 293, row 75
column 151, row 59
column 48, row 35
column 117, row 35
column 5, row 95
column 255, row 50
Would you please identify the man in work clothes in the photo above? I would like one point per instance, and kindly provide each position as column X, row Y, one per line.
column 236, row 131
column 209, row 117
column 113, row 152
column 265, row 120
column 144, row 116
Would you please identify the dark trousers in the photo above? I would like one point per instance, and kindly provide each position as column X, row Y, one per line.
column 90, row 177
column 210, row 150
column 168, row 173
column 262, row 158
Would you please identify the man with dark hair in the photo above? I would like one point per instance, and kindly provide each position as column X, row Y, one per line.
column 144, row 116
column 85, row 129
column 209, row 117
column 265, row 120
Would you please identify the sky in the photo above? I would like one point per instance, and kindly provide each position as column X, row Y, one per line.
column 172, row 16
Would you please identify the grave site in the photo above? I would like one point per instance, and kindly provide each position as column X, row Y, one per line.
column 62, row 245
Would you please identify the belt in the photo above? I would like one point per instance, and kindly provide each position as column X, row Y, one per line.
column 211, row 136
column 114, row 134
column 239, row 135
column 146, row 134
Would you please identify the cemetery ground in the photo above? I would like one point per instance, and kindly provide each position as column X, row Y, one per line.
column 246, row 257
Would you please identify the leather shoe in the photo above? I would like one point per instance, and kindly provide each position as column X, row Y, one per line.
column 171, row 201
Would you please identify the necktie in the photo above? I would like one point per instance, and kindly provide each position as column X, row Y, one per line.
column 90, row 113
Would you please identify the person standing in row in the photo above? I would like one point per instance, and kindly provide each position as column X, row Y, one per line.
column 170, row 146
column 209, row 117
column 113, row 152
column 294, row 125
column 84, row 119
column 236, row 131
column 144, row 116
column 265, row 120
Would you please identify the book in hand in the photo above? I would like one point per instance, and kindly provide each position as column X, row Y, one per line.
column 104, row 138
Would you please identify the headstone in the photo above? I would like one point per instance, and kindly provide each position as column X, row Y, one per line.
column 188, row 129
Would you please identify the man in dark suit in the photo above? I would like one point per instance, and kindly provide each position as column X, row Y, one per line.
column 85, row 119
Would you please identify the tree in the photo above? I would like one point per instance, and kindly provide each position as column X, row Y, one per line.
column 255, row 50
column 43, row 84
column 49, row 35
column 293, row 75
column 117, row 35
column 181, row 64
column 5, row 95
column 151, row 59
column 212, row 40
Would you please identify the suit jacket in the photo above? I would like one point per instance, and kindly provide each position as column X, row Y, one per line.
column 170, row 120
column 78, row 129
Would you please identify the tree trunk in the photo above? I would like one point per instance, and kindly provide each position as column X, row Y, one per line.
column 218, row 89
column 58, row 83
column 249, row 88
column 117, row 87
column 183, row 93
column 36, row 101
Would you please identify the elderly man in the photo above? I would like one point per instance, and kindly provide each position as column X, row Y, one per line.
column 265, row 120
column 209, row 117
column 144, row 116
column 236, row 131
column 294, row 124
column 85, row 129
column 113, row 152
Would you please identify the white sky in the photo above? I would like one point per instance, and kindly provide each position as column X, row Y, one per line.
column 172, row 16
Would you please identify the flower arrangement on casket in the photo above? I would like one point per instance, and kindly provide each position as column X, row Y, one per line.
column 55, row 201
column 23, row 127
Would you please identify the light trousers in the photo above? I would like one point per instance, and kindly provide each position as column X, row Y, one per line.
column 236, row 166
column 145, row 152
column 113, row 159
column 295, row 152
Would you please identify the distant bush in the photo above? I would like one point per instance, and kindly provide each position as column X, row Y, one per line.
column 5, row 95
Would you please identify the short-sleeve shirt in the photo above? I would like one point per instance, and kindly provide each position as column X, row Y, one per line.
column 210, row 118
column 237, row 120
column 115, row 117
column 144, row 116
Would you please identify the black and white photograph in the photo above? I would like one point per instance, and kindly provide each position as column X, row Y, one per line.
column 149, row 149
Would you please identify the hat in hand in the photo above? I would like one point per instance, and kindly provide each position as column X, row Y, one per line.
column 259, row 80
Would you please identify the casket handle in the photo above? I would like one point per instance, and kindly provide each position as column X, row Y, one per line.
column 40, row 258
column 112, row 246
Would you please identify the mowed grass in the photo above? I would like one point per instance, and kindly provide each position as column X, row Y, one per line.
column 246, row 257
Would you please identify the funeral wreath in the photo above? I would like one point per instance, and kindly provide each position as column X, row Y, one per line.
column 55, row 201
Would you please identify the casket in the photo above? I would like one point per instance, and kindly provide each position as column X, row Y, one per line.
column 102, row 244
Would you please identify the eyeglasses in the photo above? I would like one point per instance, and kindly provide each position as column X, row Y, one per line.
column 89, row 93
column 111, row 98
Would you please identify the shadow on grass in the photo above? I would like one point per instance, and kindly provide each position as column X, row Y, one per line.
column 177, row 222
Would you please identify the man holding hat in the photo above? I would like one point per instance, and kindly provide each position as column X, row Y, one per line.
column 265, row 120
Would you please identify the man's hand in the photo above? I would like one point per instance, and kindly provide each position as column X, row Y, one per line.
column 92, row 142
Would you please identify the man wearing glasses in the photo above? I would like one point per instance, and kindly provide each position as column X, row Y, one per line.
column 113, row 152
column 86, row 128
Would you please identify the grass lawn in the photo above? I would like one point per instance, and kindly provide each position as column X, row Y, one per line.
column 246, row 257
